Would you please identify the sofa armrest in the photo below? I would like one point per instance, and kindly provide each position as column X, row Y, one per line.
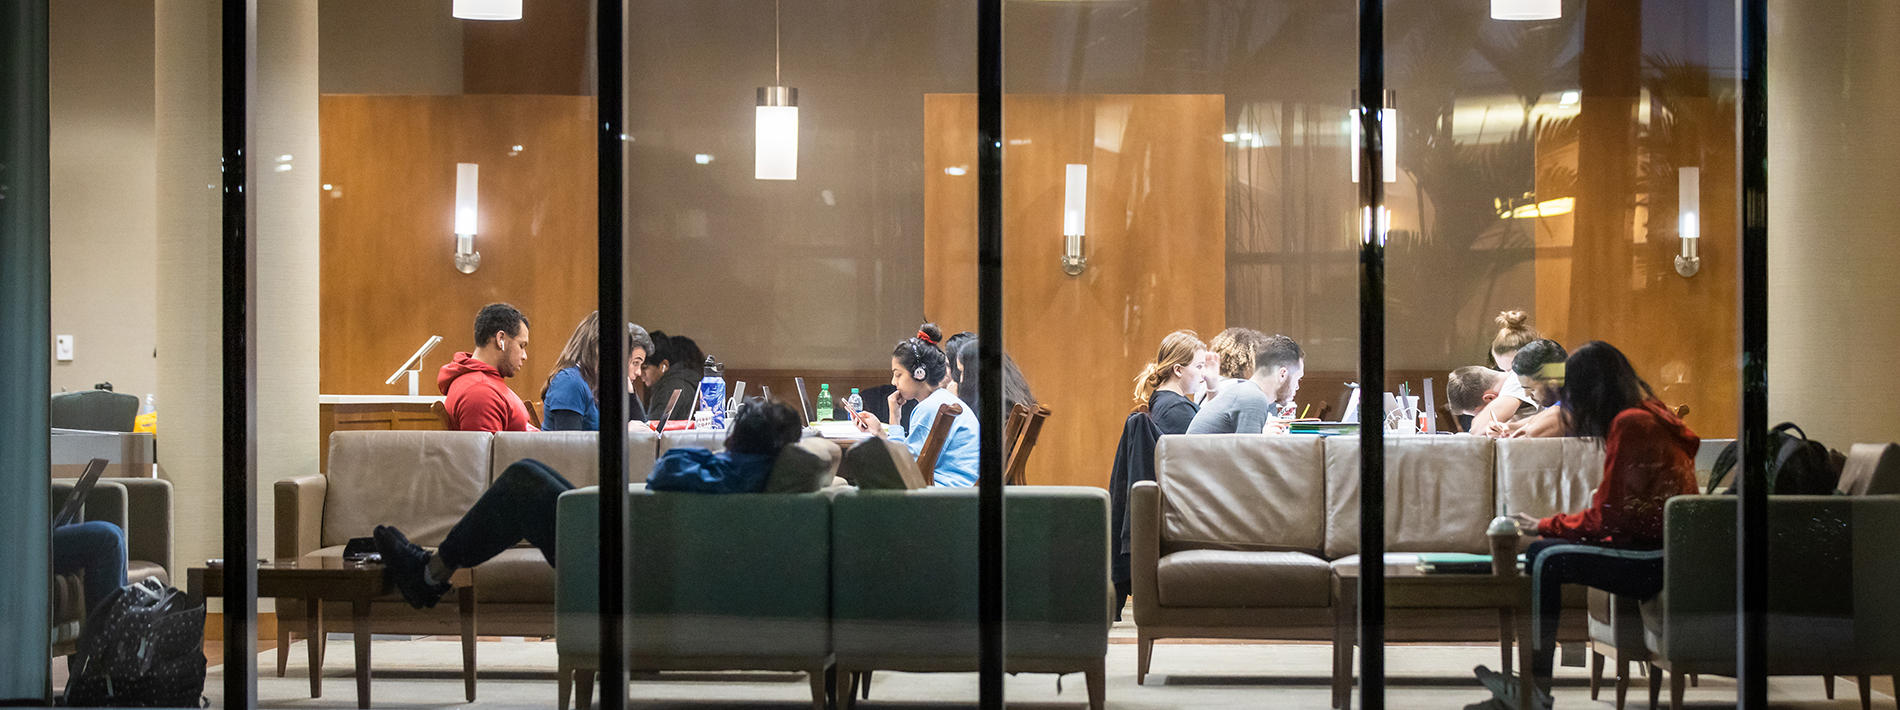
column 148, row 515
column 1144, row 542
column 300, row 514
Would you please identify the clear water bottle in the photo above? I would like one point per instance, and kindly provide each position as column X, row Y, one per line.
column 712, row 392
column 824, row 403
column 854, row 402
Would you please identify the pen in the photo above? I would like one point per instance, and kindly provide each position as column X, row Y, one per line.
column 1304, row 410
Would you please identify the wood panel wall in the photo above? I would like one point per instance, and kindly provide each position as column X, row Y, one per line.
column 1156, row 234
column 388, row 274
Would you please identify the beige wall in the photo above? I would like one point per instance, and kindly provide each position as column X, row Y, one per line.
column 1833, row 335
column 390, row 47
column 104, row 199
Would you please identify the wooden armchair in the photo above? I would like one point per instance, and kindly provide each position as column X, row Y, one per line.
column 939, row 433
column 1020, row 440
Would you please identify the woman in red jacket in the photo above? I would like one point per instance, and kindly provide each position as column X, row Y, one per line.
column 1615, row 544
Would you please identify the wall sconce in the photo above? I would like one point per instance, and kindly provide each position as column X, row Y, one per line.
column 1075, row 211
column 1527, row 9
column 466, row 258
column 1689, row 200
column 1388, row 133
column 486, row 9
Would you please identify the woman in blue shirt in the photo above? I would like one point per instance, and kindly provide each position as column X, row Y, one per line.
column 917, row 371
column 571, row 398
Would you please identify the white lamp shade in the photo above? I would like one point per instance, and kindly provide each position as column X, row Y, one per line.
column 1389, row 130
column 1526, row 9
column 1075, row 201
column 775, row 156
column 466, row 177
column 1689, row 187
column 486, row 9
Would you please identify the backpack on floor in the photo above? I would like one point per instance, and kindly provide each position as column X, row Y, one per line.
column 142, row 647
column 1797, row 465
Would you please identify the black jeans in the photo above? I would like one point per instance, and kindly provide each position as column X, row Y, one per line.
column 1554, row 563
column 520, row 505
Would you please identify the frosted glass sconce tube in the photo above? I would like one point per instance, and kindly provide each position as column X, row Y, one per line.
column 467, row 178
column 1075, row 210
column 1689, row 200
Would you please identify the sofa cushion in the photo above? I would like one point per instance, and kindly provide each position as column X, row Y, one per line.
column 419, row 481
column 1242, row 491
column 573, row 454
column 1544, row 477
column 1438, row 494
column 1226, row 579
column 878, row 463
column 136, row 570
column 519, row 575
column 804, row 467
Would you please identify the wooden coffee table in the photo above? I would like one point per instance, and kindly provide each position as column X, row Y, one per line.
column 319, row 579
column 1408, row 588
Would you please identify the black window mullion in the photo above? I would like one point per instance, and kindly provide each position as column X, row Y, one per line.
column 1751, row 549
column 239, row 65
column 989, row 279
column 1371, row 104
column 614, row 572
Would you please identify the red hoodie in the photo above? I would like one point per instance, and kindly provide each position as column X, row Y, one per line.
column 1649, row 457
column 478, row 399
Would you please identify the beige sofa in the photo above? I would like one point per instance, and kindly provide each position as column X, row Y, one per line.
column 1238, row 535
column 422, row 482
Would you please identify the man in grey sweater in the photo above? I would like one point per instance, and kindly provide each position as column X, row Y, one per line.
column 1246, row 406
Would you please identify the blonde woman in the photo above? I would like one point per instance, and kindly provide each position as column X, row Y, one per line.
column 1512, row 402
column 1167, row 386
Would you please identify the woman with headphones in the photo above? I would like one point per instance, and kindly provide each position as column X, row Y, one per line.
column 918, row 370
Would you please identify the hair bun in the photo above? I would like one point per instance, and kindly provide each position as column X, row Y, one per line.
column 930, row 333
column 1513, row 320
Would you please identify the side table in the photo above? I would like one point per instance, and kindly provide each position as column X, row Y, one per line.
column 1408, row 588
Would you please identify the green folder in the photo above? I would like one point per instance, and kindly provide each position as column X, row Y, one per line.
column 1454, row 563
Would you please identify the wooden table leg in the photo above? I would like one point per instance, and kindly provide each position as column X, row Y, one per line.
column 313, row 636
column 465, row 599
column 1505, row 633
column 1527, row 679
column 360, row 610
column 1345, row 628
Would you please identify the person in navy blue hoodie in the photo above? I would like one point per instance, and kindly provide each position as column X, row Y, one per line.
column 521, row 503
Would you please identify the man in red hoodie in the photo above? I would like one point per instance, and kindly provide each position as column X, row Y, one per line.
column 478, row 399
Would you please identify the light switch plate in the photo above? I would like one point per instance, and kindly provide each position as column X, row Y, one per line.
column 63, row 348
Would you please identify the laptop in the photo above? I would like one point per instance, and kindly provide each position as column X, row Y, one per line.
column 76, row 498
column 804, row 403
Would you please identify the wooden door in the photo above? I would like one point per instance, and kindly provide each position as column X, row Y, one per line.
column 1155, row 242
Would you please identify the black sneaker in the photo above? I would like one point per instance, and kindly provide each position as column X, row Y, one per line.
column 405, row 563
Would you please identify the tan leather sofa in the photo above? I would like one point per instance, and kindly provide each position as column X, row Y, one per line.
column 422, row 482
column 1238, row 535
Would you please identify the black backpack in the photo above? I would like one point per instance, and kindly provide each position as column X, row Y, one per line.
column 1798, row 465
column 142, row 647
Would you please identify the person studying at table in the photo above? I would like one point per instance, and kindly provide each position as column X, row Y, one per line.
column 917, row 369
column 1245, row 407
column 1512, row 402
column 478, row 399
column 1166, row 386
column 571, row 397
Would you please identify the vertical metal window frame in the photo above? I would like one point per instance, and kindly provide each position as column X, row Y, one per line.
column 1371, row 115
column 989, row 330
column 25, row 288
column 1751, row 545
column 239, row 65
column 609, row 93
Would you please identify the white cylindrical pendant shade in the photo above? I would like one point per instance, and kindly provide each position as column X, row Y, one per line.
column 486, row 9
column 466, row 177
column 1689, row 196
column 1526, row 9
column 1075, row 201
column 776, row 153
column 1389, row 131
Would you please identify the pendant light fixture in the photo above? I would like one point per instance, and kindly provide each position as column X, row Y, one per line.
column 775, row 155
column 1527, row 9
column 486, row 9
